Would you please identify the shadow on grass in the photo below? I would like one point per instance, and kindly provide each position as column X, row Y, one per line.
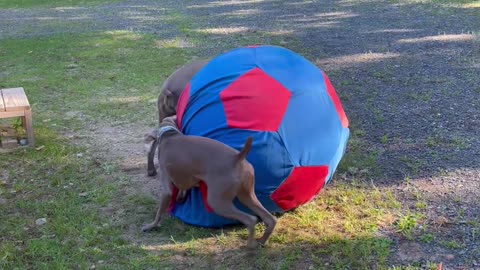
column 338, row 229
column 358, row 253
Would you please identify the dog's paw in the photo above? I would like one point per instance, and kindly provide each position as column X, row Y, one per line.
column 148, row 227
column 261, row 242
column 151, row 172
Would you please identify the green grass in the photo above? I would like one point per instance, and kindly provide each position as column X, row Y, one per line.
column 359, row 157
column 49, row 3
column 451, row 244
column 407, row 223
column 412, row 164
column 46, row 184
column 113, row 76
column 337, row 230
column 426, row 238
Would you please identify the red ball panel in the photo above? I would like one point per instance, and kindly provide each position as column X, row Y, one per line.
column 300, row 187
column 336, row 101
column 182, row 104
column 255, row 101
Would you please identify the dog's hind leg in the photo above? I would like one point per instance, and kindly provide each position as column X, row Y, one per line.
column 248, row 198
column 223, row 205
column 163, row 202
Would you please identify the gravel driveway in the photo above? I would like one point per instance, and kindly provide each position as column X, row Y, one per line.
column 408, row 74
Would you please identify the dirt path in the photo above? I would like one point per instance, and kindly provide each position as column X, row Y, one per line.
column 408, row 75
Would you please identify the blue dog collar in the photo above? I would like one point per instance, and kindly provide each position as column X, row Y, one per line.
column 162, row 130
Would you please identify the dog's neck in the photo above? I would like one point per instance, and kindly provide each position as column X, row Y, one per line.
column 164, row 129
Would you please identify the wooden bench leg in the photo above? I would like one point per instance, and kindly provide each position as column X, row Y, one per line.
column 29, row 127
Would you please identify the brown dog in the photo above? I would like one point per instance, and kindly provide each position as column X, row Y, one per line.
column 186, row 160
column 174, row 86
column 167, row 103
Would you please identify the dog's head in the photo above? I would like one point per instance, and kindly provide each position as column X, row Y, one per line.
column 166, row 104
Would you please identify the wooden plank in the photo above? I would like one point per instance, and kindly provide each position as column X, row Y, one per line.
column 8, row 143
column 12, row 114
column 27, row 121
column 15, row 99
column 7, row 132
column 2, row 104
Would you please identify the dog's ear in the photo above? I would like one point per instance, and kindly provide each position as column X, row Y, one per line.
column 150, row 137
column 168, row 93
column 168, row 102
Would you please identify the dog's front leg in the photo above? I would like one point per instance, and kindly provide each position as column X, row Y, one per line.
column 151, row 143
column 163, row 202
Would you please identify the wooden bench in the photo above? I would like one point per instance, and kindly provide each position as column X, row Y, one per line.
column 14, row 103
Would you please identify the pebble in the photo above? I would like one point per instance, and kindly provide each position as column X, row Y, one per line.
column 178, row 258
column 449, row 256
column 41, row 221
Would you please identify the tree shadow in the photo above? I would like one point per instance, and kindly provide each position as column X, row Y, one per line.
column 405, row 72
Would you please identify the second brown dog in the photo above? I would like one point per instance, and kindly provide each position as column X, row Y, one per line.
column 184, row 161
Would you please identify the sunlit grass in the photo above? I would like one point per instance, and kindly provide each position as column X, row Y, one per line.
column 113, row 75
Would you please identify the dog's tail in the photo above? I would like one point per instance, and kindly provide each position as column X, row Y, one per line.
column 245, row 150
